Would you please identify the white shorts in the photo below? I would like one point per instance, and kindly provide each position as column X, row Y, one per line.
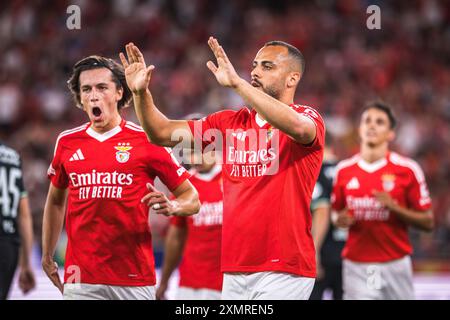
column 266, row 286
column 185, row 293
column 84, row 291
column 391, row 280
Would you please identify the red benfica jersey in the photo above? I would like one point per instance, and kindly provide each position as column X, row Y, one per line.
column 200, row 266
column 109, row 240
column 378, row 235
column 268, row 182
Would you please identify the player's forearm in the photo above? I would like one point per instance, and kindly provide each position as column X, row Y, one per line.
column 26, row 232
column 187, row 203
column 154, row 123
column 51, row 228
column 277, row 113
column 419, row 219
column 320, row 226
column 173, row 251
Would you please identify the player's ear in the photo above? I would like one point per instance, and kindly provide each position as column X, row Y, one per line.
column 293, row 79
column 391, row 135
column 80, row 104
column 119, row 94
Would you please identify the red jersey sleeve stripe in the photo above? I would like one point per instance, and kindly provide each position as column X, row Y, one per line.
column 345, row 164
column 134, row 128
column 410, row 164
column 132, row 125
column 67, row 133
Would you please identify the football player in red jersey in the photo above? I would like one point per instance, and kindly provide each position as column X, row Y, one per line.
column 274, row 149
column 378, row 194
column 196, row 240
column 99, row 175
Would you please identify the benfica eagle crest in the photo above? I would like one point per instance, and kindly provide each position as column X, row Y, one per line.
column 388, row 181
column 122, row 154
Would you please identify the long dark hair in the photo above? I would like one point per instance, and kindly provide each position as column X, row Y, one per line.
column 96, row 62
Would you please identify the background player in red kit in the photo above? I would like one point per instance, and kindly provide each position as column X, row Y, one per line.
column 99, row 172
column 197, row 239
column 378, row 194
column 267, row 247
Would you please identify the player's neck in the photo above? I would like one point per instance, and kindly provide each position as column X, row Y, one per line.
column 374, row 153
column 287, row 98
column 205, row 170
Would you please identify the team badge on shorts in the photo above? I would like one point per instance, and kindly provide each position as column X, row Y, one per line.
column 388, row 182
column 122, row 154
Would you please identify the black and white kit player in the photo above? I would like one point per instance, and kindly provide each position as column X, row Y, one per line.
column 15, row 224
column 329, row 240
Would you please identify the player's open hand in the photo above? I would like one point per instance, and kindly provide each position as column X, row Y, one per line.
column 51, row 269
column 224, row 71
column 137, row 74
column 159, row 202
column 27, row 280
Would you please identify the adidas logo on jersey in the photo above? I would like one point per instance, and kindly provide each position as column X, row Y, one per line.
column 353, row 184
column 78, row 155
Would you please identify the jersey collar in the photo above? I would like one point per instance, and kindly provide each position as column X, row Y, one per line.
column 106, row 135
column 374, row 166
column 259, row 121
column 209, row 176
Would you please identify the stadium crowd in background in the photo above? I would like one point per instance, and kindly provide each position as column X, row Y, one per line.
column 405, row 63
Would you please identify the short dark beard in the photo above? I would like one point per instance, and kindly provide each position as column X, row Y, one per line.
column 272, row 92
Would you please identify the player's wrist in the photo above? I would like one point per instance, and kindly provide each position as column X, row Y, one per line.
column 175, row 206
column 47, row 258
column 25, row 267
column 163, row 284
column 24, row 264
column 140, row 92
column 238, row 83
column 396, row 208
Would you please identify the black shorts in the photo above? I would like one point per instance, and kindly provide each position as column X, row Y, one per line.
column 9, row 256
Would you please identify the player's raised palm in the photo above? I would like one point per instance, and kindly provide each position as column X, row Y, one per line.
column 137, row 74
column 224, row 71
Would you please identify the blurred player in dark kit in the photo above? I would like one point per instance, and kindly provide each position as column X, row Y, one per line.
column 16, row 230
column 329, row 240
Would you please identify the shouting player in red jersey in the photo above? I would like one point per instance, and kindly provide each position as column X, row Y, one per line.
column 100, row 171
column 272, row 155
column 197, row 240
column 378, row 194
